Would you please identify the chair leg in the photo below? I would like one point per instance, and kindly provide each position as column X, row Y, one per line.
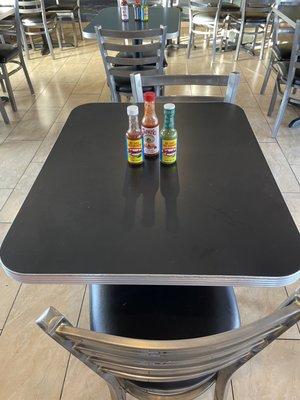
column 190, row 44
column 239, row 43
column 80, row 23
column 24, row 40
column 214, row 43
column 22, row 61
column 223, row 378
column 264, row 40
column 4, row 113
column 255, row 39
column 9, row 88
column 115, row 390
column 49, row 42
column 57, row 31
column 281, row 112
column 74, row 31
column 273, row 100
column 31, row 42
column 3, row 86
column 267, row 76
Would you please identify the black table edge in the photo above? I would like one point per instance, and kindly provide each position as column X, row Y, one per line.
column 154, row 279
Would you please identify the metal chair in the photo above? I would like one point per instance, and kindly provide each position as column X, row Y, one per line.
column 254, row 14
column 175, row 369
column 282, row 38
column 138, row 82
column 211, row 15
column 68, row 12
column 288, row 74
column 35, row 21
column 146, row 58
column 3, row 112
column 8, row 53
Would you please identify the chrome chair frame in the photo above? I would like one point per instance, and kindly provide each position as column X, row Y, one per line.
column 3, row 112
column 20, row 64
column 289, row 84
column 27, row 7
column 121, row 361
column 114, row 65
column 158, row 82
column 264, row 6
column 195, row 7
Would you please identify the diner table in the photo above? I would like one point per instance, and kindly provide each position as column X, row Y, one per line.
column 109, row 18
column 215, row 218
column 290, row 14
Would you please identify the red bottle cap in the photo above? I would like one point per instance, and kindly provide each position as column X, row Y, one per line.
column 149, row 96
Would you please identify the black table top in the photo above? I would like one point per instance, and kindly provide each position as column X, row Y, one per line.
column 109, row 18
column 288, row 13
column 215, row 218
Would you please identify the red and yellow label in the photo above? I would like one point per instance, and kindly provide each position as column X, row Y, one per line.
column 135, row 151
column 168, row 151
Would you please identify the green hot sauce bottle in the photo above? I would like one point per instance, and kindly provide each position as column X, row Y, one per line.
column 168, row 136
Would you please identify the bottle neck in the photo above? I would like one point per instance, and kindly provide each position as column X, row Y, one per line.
column 169, row 121
column 149, row 108
column 133, row 123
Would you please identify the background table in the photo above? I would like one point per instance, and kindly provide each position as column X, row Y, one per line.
column 215, row 218
column 109, row 18
column 6, row 12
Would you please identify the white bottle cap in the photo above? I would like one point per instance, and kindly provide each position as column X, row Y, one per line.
column 169, row 106
column 132, row 110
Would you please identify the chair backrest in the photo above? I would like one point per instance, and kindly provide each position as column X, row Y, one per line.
column 169, row 361
column 31, row 6
column 231, row 81
column 146, row 57
column 295, row 56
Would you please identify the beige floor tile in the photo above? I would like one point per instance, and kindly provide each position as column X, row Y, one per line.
column 73, row 102
column 14, row 159
column 3, row 231
column 290, row 146
column 259, row 125
column 55, row 95
column 34, row 125
column 33, row 365
column 280, row 168
column 19, row 194
column 8, row 289
column 296, row 170
column 293, row 287
column 6, row 129
column 4, row 194
column 89, row 85
column 255, row 303
column 293, row 202
column 48, row 143
column 69, row 73
column 105, row 94
column 272, row 375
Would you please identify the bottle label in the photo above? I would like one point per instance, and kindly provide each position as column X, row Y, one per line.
column 151, row 140
column 124, row 13
column 135, row 151
column 168, row 151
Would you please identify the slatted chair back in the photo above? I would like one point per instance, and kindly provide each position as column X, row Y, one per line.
column 31, row 6
column 231, row 81
column 121, row 59
column 119, row 360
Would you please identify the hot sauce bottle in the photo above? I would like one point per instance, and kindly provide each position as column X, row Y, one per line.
column 168, row 136
column 150, row 127
column 124, row 10
column 134, row 139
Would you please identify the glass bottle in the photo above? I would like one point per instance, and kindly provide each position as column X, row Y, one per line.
column 124, row 10
column 150, row 127
column 134, row 139
column 168, row 136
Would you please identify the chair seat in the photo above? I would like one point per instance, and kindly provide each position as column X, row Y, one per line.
column 7, row 52
column 258, row 17
column 162, row 312
column 282, row 51
column 283, row 68
column 36, row 19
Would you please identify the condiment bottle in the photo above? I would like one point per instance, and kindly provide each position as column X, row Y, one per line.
column 124, row 10
column 134, row 139
column 137, row 10
column 144, row 11
column 168, row 136
column 150, row 127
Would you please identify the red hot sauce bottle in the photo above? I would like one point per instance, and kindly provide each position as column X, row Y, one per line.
column 150, row 127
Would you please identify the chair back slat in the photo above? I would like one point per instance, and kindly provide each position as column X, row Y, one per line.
column 31, row 6
column 132, row 61
column 231, row 81
column 139, row 34
column 168, row 361
column 132, row 48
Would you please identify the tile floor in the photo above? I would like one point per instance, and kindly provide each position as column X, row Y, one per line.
column 31, row 365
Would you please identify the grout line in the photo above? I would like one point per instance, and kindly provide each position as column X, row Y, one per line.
column 12, row 305
column 69, row 358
